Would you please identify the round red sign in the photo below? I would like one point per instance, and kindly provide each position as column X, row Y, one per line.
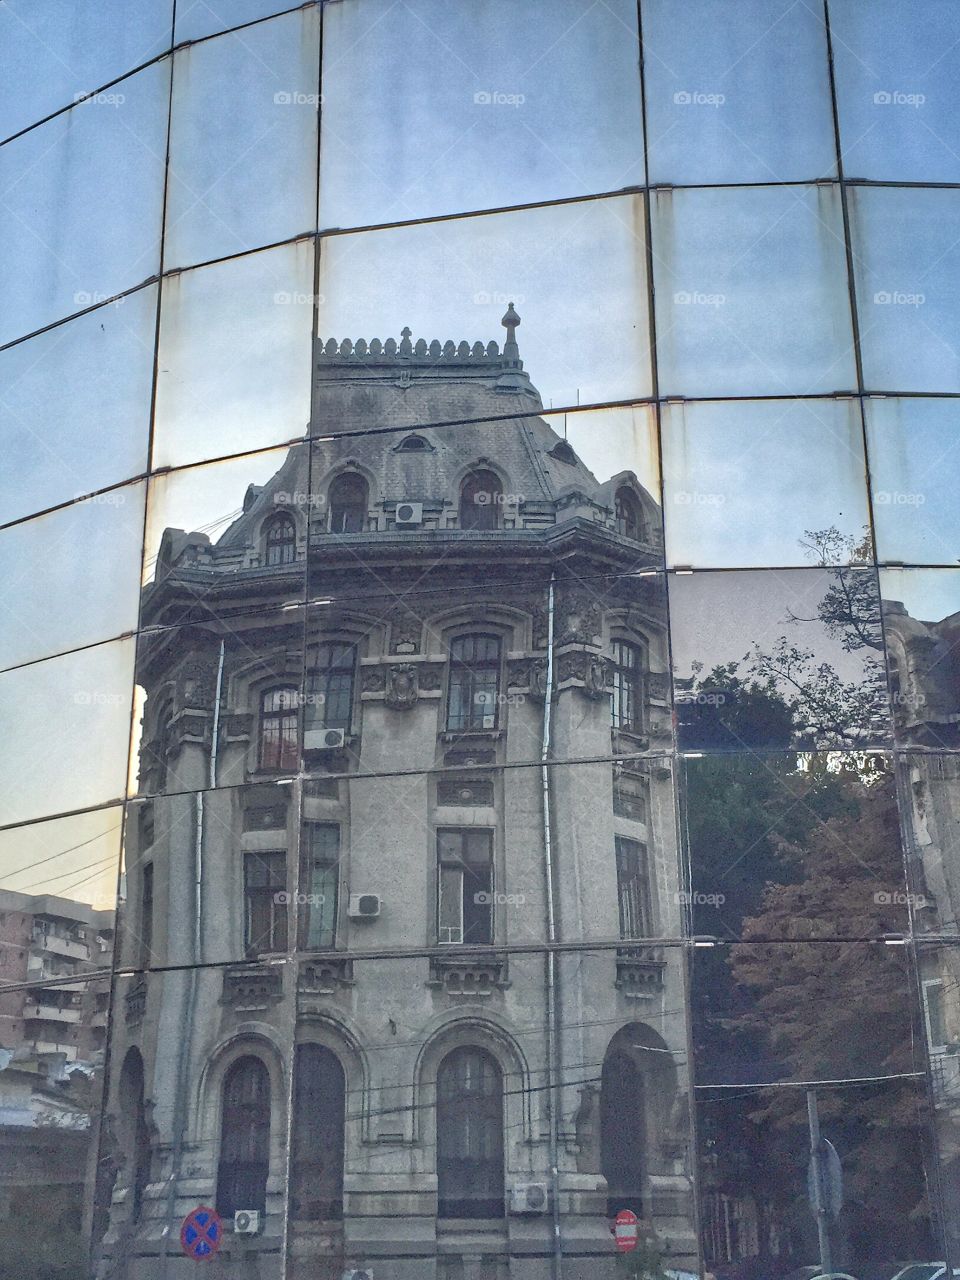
column 625, row 1230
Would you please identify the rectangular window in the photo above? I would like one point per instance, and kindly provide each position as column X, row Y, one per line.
column 935, row 1013
column 474, row 689
column 321, row 842
column 465, row 896
column 330, row 687
column 265, row 902
column 146, row 914
column 633, row 890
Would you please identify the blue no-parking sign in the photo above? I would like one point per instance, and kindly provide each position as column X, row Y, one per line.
column 202, row 1233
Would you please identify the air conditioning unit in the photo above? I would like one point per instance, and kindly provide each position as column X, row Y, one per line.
column 409, row 513
column 246, row 1222
column 529, row 1197
column 364, row 906
column 324, row 739
column 358, row 1273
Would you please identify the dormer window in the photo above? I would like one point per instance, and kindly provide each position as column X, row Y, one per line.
column 412, row 444
column 563, row 452
column 629, row 515
column 348, row 498
column 280, row 542
column 481, row 501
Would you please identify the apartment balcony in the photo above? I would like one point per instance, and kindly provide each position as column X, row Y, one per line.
column 39, row 1046
column 55, row 945
column 52, row 1012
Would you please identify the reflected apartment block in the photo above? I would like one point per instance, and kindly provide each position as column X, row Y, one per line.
column 42, row 938
column 342, row 814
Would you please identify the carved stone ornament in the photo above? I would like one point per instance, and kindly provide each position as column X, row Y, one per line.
column 401, row 690
column 373, row 679
column 595, row 676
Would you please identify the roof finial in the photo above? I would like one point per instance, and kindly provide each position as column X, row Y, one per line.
column 406, row 347
column 511, row 352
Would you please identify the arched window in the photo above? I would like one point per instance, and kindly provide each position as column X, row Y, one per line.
column 481, row 501
column 330, row 686
column 280, row 541
column 412, row 444
column 244, row 1138
column 622, row 1133
column 136, row 1136
column 473, row 694
column 278, row 728
column 319, row 1095
column 628, row 673
column 629, row 515
column 470, row 1135
column 348, row 503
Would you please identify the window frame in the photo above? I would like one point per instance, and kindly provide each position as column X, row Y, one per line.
column 628, row 512
column 634, row 899
column 471, row 669
column 316, row 715
column 456, row 869
column 934, row 1046
column 359, row 506
column 259, row 895
column 287, row 717
column 310, row 864
column 271, row 542
column 485, row 516
column 629, row 685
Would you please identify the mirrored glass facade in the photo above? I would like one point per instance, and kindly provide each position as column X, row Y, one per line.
column 479, row 641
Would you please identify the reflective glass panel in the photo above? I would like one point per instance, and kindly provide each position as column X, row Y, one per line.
column 789, row 658
column 794, row 846
column 906, row 255
column 52, row 1079
column 939, row 976
column 219, row 700
column 198, row 18
column 243, row 841
column 75, row 406
column 226, row 538
column 500, row 105
column 779, row 482
column 921, row 623
column 60, row 49
column 803, row 1011
column 914, row 449
column 896, row 69
column 82, row 201
column 71, row 860
column 234, row 357
column 573, row 272
column 751, row 294
column 71, row 577
column 53, row 713
column 712, row 72
column 877, row 1171
column 930, row 795
column 243, row 140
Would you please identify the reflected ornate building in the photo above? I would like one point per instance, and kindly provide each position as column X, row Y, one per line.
column 324, row 787
column 922, row 659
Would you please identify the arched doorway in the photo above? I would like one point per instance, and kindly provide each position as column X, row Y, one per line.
column 470, row 1135
column 244, row 1138
column 136, row 1135
column 319, row 1110
column 622, row 1132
